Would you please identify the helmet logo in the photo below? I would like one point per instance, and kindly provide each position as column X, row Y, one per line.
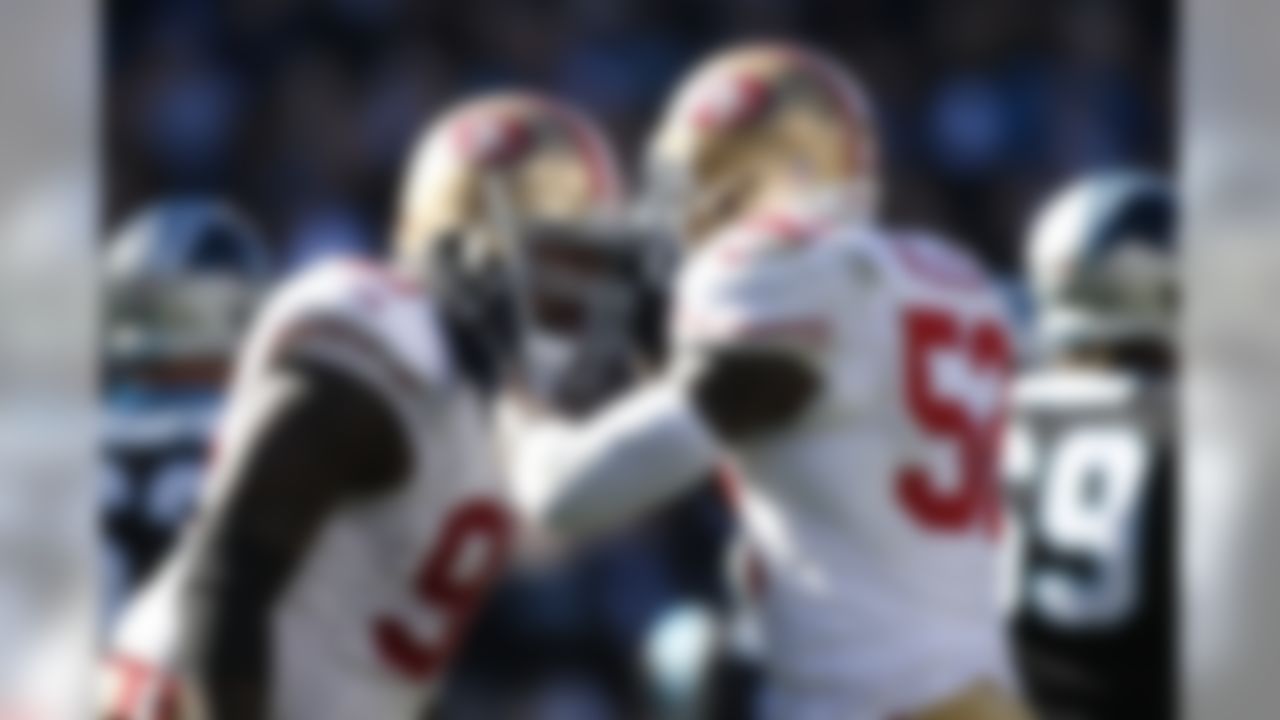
column 493, row 140
column 732, row 103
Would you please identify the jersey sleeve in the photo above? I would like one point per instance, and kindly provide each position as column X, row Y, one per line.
column 580, row 477
column 357, row 318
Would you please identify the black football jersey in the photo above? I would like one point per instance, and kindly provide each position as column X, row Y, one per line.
column 152, row 461
column 1090, row 471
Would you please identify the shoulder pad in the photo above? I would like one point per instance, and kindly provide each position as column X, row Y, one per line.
column 778, row 233
column 769, row 278
column 362, row 311
column 936, row 259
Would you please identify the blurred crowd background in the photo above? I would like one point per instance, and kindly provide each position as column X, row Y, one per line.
column 302, row 111
column 302, row 114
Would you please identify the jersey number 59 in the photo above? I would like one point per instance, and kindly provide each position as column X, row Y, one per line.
column 956, row 374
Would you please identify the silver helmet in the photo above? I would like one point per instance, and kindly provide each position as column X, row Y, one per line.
column 1102, row 262
column 181, row 279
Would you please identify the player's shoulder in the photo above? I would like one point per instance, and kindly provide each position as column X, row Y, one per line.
column 786, row 230
column 355, row 310
column 772, row 274
column 916, row 253
column 343, row 283
column 929, row 257
column 776, row 243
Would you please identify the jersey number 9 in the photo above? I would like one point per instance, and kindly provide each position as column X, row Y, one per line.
column 453, row 579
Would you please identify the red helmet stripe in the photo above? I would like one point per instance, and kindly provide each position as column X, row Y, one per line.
column 606, row 181
column 851, row 101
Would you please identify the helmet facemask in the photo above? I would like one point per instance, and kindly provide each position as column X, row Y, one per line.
column 558, row 306
column 592, row 296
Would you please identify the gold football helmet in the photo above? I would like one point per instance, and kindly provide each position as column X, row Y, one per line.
column 754, row 124
column 502, row 158
column 518, row 197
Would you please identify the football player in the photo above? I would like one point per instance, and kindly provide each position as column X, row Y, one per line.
column 848, row 379
column 1090, row 458
column 181, row 280
column 354, row 517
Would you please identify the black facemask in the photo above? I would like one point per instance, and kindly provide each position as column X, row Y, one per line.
column 635, row 257
column 478, row 310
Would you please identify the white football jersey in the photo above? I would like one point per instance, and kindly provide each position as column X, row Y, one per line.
column 380, row 600
column 874, row 516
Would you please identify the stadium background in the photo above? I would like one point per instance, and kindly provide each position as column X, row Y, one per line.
column 301, row 113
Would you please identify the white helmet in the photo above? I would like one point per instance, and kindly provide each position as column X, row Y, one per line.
column 1102, row 262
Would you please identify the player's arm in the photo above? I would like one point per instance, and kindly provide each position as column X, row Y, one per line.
column 582, row 477
column 657, row 441
column 315, row 436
